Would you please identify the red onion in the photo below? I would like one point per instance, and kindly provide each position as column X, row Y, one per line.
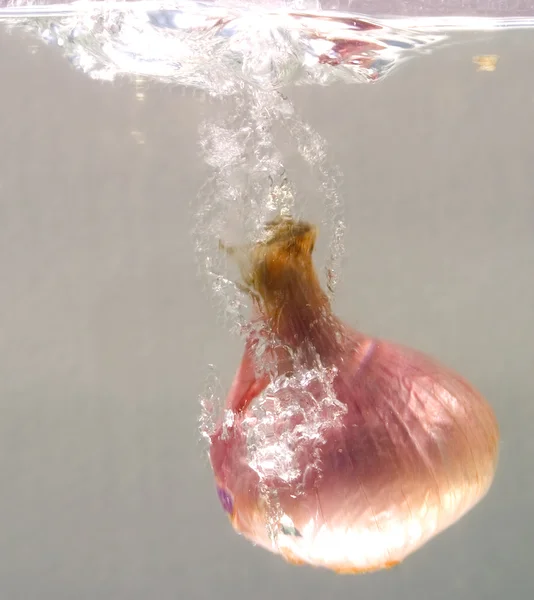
column 337, row 449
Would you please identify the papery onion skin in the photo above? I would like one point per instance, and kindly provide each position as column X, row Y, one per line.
column 415, row 447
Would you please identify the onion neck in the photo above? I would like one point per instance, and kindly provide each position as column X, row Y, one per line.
column 288, row 294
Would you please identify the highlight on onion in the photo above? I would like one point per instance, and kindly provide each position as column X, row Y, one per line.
column 336, row 449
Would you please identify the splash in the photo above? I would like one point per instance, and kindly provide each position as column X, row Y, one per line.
column 249, row 186
column 288, row 418
column 217, row 48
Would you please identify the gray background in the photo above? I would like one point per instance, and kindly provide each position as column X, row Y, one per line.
column 106, row 330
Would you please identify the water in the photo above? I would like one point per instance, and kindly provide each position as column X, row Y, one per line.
column 246, row 60
column 216, row 49
column 248, row 57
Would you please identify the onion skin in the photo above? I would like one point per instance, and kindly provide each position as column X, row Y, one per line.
column 415, row 447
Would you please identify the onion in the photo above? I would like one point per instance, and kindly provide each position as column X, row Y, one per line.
column 336, row 449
